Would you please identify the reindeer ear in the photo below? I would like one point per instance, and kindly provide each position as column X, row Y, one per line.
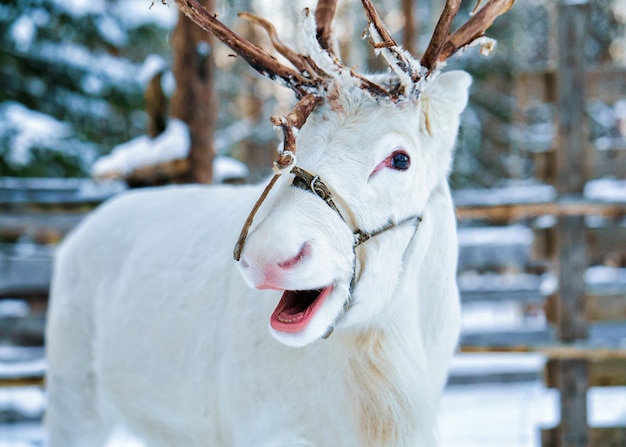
column 443, row 100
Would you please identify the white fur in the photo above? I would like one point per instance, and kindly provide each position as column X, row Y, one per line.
column 151, row 325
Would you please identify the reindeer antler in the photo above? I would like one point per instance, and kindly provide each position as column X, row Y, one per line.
column 442, row 30
column 255, row 56
column 399, row 60
column 312, row 73
column 474, row 28
column 442, row 44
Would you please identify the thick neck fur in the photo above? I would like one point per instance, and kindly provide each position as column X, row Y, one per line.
column 390, row 367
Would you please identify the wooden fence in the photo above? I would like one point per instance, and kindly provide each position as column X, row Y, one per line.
column 584, row 349
column 572, row 233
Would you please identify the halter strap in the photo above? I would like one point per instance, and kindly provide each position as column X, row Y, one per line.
column 312, row 183
column 362, row 236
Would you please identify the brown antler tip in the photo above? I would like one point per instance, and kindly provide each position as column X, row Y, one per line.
column 278, row 120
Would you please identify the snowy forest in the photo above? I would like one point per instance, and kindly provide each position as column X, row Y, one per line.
column 74, row 76
column 94, row 100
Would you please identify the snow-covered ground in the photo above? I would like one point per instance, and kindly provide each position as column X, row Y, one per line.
column 478, row 415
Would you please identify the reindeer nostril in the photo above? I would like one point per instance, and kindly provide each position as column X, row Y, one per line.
column 305, row 251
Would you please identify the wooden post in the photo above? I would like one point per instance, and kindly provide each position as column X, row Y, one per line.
column 573, row 430
column 572, row 263
column 571, row 99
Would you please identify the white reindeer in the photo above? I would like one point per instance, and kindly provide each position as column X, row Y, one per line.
column 152, row 326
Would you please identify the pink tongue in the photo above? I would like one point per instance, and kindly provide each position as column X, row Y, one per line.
column 295, row 309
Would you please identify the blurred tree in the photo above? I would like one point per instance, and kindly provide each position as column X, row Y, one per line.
column 78, row 62
column 156, row 105
column 194, row 100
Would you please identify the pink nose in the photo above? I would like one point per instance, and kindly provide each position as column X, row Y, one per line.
column 273, row 274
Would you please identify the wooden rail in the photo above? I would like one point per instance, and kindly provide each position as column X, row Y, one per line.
column 574, row 205
column 554, row 352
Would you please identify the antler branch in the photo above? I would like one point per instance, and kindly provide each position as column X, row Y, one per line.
column 254, row 55
column 299, row 61
column 474, row 28
column 324, row 13
column 290, row 125
column 383, row 40
column 440, row 35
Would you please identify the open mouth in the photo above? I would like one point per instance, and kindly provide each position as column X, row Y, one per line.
column 296, row 308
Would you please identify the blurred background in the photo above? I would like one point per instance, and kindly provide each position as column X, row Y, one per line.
column 99, row 96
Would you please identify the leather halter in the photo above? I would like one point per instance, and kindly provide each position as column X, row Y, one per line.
column 312, row 183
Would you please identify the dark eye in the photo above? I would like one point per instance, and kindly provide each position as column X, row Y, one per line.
column 400, row 161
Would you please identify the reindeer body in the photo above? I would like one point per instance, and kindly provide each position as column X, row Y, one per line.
column 151, row 350
column 152, row 326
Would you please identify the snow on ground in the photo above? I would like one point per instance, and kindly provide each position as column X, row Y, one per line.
column 497, row 415
column 486, row 415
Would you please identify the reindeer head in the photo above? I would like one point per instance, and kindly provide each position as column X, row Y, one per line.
column 335, row 225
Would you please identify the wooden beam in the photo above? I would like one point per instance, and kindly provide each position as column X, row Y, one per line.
column 608, row 437
column 31, row 193
column 8, row 382
column 554, row 351
column 42, row 227
column 160, row 173
column 597, row 307
column 598, row 437
column 605, row 307
column 606, row 242
column 608, row 372
column 516, row 211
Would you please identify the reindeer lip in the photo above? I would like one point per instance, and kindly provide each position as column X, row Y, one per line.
column 296, row 308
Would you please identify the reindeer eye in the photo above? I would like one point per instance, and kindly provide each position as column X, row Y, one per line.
column 400, row 161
